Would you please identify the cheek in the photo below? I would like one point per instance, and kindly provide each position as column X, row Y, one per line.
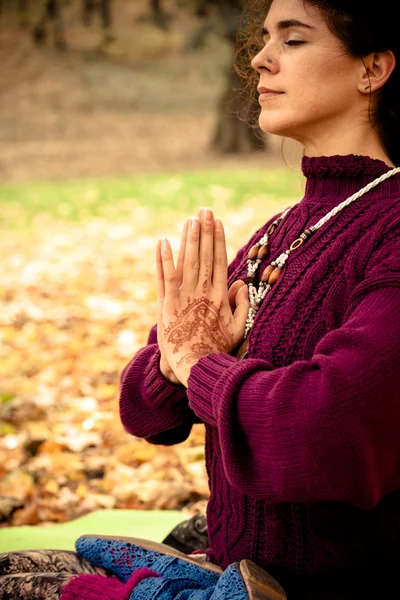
column 326, row 84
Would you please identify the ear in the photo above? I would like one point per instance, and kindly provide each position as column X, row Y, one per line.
column 378, row 66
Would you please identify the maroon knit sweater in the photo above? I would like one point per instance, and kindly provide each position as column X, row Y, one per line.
column 303, row 436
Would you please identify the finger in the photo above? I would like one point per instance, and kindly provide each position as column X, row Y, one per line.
column 206, row 250
column 181, row 255
column 233, row 290
column 242, row 310
column 170, row 275
column 191, row 261
column 220, row 269
column 160, row 273
column 160, row 294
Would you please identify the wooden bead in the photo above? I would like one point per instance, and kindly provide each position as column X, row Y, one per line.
column 253, row 252
column 271, row 229
column 263, row 252
column 249, row 279
column 267, row 272
column 273, row 278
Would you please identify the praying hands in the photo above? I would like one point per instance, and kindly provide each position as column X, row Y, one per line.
column 197, row 315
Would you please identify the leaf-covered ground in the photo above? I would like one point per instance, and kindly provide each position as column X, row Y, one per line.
column 77, row 288
column 77, row 298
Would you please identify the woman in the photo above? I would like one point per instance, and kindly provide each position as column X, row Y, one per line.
column 303, row 444
column 296, row 378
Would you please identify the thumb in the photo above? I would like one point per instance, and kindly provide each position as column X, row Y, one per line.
column 232, row 293
column 159, row 322
column 242, row 307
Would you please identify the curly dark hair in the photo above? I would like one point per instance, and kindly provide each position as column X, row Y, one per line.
column 362, row 30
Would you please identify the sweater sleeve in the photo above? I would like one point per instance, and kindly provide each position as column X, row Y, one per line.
column 320, row 429
column 152, row 407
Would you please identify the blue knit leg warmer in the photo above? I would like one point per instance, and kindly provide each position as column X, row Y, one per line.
column 230, row 586
column 179, row 580
column 122, row 558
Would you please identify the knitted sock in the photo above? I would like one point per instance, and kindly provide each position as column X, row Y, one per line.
column 171, row 589
column 230, row 586
column 95, row 587
column 145, row 584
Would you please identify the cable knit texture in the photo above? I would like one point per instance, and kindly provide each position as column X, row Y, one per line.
column 302, row 436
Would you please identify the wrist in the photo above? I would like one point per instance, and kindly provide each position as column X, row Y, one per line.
column 186, row 367
column 167, row 372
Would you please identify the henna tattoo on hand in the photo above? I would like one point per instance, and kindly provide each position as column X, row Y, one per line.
column 198, row 350
column 202, row 323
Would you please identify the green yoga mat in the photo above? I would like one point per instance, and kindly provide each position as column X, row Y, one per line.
column 152, row 525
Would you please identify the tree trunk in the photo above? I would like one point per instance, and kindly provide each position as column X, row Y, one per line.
column 88, row 7
column 156, row 7
column 55, row 13
column 237, row 130
column 52, row 13
column 23, row 13
column 160, row 18
column 105, row 11
column 233, row 133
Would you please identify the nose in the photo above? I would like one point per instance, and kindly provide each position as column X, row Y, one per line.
column 263, row 61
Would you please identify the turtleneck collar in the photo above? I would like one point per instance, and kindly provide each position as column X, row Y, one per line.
column 332, row 179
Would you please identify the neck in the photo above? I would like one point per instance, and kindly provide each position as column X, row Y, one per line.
column 332, row 179
column 358, row 140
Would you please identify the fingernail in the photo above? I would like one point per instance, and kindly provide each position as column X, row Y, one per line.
column 208, row 215
column 164, row 245
column 194, row 223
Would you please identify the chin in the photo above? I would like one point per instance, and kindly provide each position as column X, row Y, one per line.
column 276, row 125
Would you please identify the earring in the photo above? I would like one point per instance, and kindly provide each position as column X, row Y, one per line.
column 367, row 87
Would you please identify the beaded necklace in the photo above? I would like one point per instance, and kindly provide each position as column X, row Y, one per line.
column 272, row 272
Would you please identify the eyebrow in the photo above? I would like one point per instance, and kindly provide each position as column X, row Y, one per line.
column 286, row 24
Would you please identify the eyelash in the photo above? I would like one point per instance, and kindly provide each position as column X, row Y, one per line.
column 293, row 43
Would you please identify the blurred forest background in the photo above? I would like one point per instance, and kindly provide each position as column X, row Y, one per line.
column 118, row 119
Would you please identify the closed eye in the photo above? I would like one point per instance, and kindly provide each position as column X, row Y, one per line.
column 294, row 43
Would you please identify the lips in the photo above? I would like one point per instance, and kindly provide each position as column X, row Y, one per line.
column 264, row 90
column 267, row 93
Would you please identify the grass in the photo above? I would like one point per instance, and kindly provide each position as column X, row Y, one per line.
column 22, row 204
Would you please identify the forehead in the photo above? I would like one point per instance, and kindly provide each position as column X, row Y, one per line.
column 282, row 10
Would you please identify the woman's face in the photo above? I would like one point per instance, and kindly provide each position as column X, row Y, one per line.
column 313, row 80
